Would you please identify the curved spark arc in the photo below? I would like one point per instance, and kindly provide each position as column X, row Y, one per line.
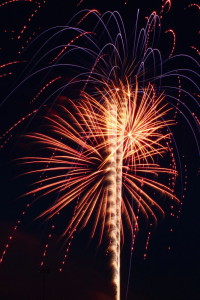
column 106, row 154
column 106, row 60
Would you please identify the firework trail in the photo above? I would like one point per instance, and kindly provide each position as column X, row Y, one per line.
column 109, row 139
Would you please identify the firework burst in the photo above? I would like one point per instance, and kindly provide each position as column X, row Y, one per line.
column 106, row 153
column 105, row 145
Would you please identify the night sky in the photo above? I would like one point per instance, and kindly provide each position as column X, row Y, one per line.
column 172, row 268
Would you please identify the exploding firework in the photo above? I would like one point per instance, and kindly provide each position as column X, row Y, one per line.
column 105, row 145
column 104, row 150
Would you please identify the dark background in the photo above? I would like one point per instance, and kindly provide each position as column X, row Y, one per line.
column 165, row 274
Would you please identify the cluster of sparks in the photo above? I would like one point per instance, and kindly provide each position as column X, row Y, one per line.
column 104, row 150
column 83, row 157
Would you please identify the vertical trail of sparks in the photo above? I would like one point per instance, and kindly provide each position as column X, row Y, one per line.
column 121, row 113
column 11, row 236
column 115, row 182
column 115, row 163
column 112, row 193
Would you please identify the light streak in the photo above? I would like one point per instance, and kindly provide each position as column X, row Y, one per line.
column 194, row 5
column 8, row 134
column 174, row 40
column 44, row 88
column 5, row 65
column 166, row 3
column 196, row 49
column 11, row 236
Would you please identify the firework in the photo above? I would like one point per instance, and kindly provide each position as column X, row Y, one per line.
column 104, row 149
column 104, row 146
